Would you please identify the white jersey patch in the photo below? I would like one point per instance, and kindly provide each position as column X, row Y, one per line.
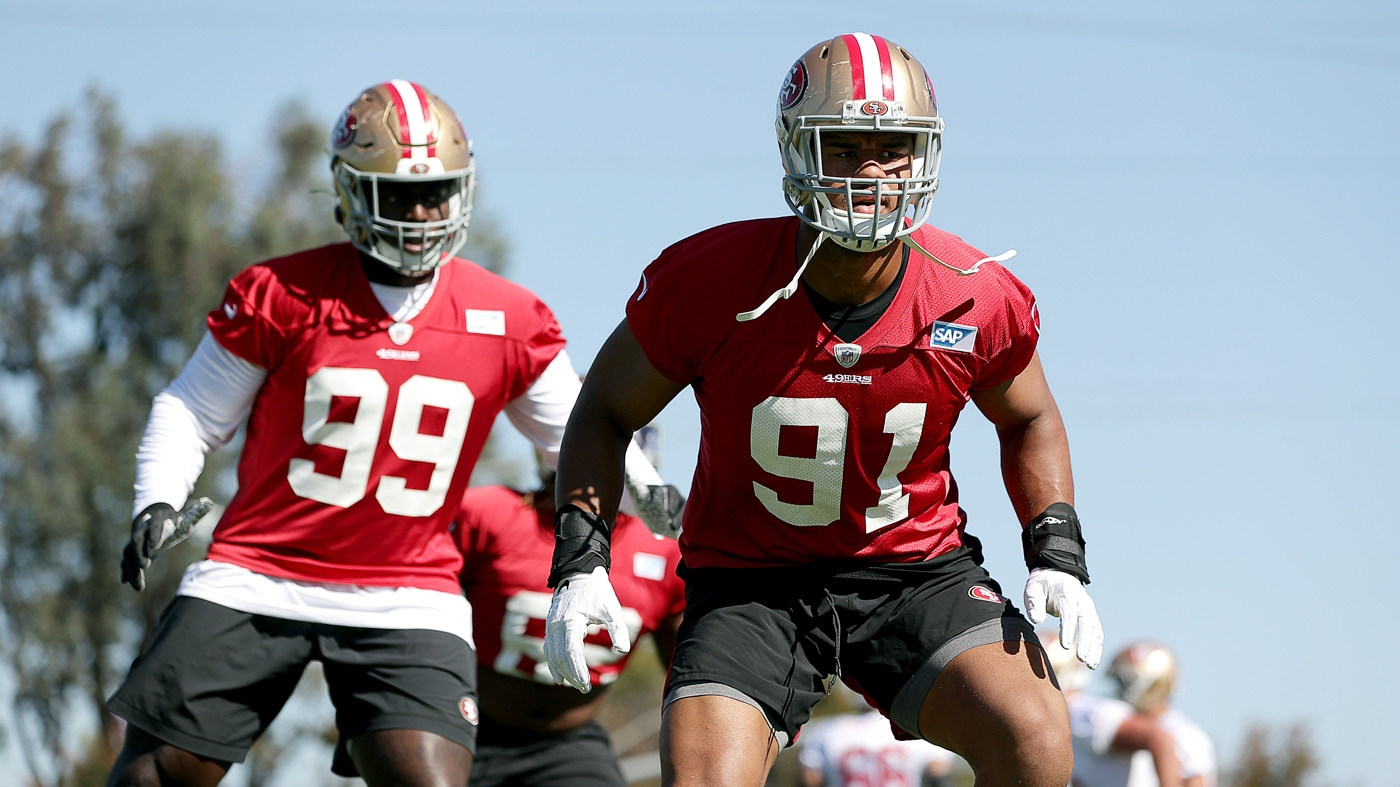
column 491, row 323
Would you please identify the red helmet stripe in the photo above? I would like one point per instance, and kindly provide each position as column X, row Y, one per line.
column 402, row 115
column 857, row 66
column 886, row 69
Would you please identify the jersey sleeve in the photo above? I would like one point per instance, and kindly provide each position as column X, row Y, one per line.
column 1015, row 333
column 662, row 324
column 540, row 344
column 247, row 322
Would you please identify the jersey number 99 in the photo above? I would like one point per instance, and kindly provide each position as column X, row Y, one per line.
column 359, row 438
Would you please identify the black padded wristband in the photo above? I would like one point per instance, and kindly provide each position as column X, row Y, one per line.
column 1052, row 540
column 582, row 542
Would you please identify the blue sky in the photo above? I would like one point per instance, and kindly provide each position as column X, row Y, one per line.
column 1203, row 196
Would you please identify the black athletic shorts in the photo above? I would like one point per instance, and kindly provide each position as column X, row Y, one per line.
column 507, row 757
column 770, row 636
column 213, row 678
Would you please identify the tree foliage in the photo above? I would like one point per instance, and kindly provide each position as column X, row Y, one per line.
column 1262, row 763
column 112, row 250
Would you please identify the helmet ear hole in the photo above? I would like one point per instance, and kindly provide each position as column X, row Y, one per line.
column 339, row 215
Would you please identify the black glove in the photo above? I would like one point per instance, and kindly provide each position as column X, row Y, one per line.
column 146, row 531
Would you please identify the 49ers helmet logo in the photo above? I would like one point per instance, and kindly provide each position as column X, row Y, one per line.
column 874, row 108
column 982, row 594
column 794, row 87
column 344, row 130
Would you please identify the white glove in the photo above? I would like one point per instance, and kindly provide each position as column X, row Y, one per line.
column 1061, row 595
column 580, row 601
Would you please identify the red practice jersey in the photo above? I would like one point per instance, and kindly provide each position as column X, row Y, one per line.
column 357, row 442
column 813, row 449
column 509, row 546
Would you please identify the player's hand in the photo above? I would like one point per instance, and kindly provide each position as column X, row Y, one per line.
column 1063, row 596
column 581, row 601
column 150, row 527
column 661, row 507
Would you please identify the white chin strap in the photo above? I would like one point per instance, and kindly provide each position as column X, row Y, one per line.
column 791, row 288
column 976, row 266
column 785, row 292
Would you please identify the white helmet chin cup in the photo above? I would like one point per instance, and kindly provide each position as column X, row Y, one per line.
column 863, row 232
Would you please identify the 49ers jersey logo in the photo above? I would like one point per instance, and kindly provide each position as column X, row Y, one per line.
column 794, row 87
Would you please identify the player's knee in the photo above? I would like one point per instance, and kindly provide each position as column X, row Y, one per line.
column 1043, row 745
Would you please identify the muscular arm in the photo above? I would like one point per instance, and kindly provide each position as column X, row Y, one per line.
column 1034, row 448
column 1140, row 732
column 623, row 393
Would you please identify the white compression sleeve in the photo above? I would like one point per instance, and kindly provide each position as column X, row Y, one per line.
column 542, row 412
column 194, row 415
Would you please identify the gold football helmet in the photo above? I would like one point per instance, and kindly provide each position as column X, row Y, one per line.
column 399, row 154
column 1146, row 675
column 858, row 82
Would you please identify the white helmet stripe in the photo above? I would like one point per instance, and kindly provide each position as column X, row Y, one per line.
column 416, row 116
column 870, row 64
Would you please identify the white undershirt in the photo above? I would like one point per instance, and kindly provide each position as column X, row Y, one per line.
column 202, row 408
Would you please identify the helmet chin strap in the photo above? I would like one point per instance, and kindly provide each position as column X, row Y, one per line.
column 913, row 244
column 785, row 292
column 791, row 288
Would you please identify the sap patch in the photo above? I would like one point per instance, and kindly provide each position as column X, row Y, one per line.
column 952, row 336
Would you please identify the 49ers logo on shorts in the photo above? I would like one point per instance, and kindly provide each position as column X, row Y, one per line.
column 982, row 594
column 793, row 87
column 344, row 130
column 467, row 706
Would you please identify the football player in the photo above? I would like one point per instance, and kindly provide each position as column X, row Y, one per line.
column 1109, row 735
column 1146, row 677
column 830, row 353
column 534, row 733
column 859, row 750
column 373, row 371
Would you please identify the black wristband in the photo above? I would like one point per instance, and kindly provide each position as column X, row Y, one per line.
column 1053, row 540
column 582, row 542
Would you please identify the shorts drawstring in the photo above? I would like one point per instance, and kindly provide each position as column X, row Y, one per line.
column 836, row 631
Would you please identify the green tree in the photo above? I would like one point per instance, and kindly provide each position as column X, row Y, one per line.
column 1290, row 763
column 111, row 252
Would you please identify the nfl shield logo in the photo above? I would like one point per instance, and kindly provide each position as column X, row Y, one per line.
column 846, row 354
